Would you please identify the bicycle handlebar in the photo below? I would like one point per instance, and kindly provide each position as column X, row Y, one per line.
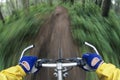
column 56, row 64
column 60, row 64
column 72, row 62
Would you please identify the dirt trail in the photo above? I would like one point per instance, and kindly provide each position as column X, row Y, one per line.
column 53, row 35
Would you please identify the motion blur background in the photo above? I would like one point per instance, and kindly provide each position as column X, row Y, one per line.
column 94, row 21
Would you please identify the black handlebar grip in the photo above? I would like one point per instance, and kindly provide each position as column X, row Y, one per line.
column 39, row 62
column 81, row 62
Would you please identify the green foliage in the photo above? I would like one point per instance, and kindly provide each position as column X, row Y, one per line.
column 104, row 33
column 16, row 34
column 13, row 35
column 87, row 24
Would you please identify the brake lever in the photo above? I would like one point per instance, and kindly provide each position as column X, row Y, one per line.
column 23, row 52
column 90, row 45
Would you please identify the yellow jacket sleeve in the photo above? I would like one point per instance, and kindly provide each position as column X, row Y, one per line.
column 108, row 72
column 12, row 73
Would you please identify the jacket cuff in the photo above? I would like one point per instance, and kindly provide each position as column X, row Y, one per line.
column 105, row 70
column 21, row 70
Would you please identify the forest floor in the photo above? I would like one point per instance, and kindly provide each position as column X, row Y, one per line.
column 53, row 37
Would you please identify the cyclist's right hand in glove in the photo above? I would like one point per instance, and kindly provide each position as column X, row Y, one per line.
column 28, row 64
column 93, row 61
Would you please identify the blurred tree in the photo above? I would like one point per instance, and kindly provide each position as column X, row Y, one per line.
column 11, row 4
column 106, row 7
column 36, row 2
column 117, row 6
column 12, row 9
column 98, row 2
column 26, row 6
column 71, row 1
column 17, row 4
column 8, row 8
column 50, row 2
column 83, row 3
column 1, row 16
column 64, row 0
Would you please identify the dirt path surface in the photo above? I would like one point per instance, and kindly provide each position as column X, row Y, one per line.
column 54, row 35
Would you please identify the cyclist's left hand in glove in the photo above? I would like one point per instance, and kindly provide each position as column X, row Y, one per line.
column 28, row 64
column 18, row 72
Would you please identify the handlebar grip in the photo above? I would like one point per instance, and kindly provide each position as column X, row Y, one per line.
column 39, row 62
column 81, row 62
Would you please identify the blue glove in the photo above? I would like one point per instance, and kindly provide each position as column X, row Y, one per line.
column 92, row 61
column 28, row 64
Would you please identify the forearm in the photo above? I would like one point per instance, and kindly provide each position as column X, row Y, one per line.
column 12, row 73
column 108, row 72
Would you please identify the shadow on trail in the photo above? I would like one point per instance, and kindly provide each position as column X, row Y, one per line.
column 53, row 35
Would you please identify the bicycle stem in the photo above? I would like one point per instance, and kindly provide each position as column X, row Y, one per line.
column 59, row 68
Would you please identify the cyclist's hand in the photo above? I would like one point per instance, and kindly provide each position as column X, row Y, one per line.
column 28, row 64
column 93, row 61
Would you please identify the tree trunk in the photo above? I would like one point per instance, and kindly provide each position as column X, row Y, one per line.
column 64, row 1
column 83, row 3
column 117, row 7
column 26, row 6
column 17, row 4
column 12, row 8
column 50, row 2
column 98, row 2
column 1, row 17
column 72, row 1
column 106, row 7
